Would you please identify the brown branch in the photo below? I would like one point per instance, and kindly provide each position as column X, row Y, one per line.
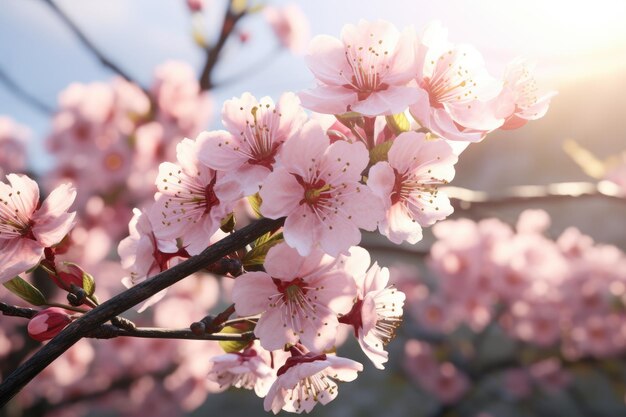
column 126, row 300
column 24, row 95
column 213, row 52
column 108, row 331
column 87, row 42
column 9, row 310
column 465, row 199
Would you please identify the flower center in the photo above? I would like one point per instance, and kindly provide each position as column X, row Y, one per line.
column 211, row 199
column 315, row 192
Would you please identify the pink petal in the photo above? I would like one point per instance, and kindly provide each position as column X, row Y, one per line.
column 337, row 234
column 17, row 256
column 283, row 262
column 400, row 226
column 301, row 230
column 26, row 191
column 236, row 112
column 272, row 331
column 327, row 61
column 281, row 194
column 251, row 291
column 328, row 99
column 343, row 162
column 381, row 180
column 301, row 154
column 50, row 231
column 393, row 100
column 218, row 150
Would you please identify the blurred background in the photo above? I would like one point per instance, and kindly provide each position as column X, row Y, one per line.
column 580, row 51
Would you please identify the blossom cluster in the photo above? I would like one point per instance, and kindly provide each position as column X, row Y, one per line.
column 564, row 296
column 393, row 112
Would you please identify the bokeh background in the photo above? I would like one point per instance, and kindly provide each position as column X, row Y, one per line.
column 579, row 47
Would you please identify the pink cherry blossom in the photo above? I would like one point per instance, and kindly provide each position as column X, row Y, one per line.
column 317, row 188
column 249, row 369
column 305, row 380
column 456, row 91
column 13, row 139
column 408, row 185
column 256, row 132
column 290, row 26
column 299, row 297
column 519, row 100
column 143, row 255
column 368, row 71
column 27, row 228
column 376, row 314
column 191, row 202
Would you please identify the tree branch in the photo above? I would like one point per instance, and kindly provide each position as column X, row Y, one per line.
column 465, row 199
column 87, row 42
column 108, row 331
column 129, row 298
column 9, row 310
column 25, row 96
column 213, row 52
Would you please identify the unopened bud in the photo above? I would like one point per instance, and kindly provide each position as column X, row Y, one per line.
column 48, row 323
column 68, row 273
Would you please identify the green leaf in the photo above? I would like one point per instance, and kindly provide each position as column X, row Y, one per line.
column 253, row 259
column 89, row 284
column 379, row 152
column 398, row 123
column 25, row 291
column 232, row 346
column 255, row 203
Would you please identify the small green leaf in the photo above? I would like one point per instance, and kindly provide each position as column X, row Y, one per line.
column 379, row 152
column 25, row 291
column 255, row 203
column 253, row 259
column 89, row 284
column 232, row 346
column 398, row 123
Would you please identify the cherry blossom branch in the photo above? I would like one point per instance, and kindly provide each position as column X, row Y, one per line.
column 213, row 52
column 14, row 311
column 108, row 331
column 465, row 199
column 126, row 300
column 87, row 42
column 18, row 91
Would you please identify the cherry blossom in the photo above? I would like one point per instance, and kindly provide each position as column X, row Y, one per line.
column 13, row 139
column 25, row 228
column 290, row 26
column 367, row 71
column 299, row 297
column 456, row 90
column 256, row 131
column 408, row 185
column 306, row 379
column 520, row 100
column 317, row 188
column 376, row 314
column 249, row 369
column 192, row 200
column 143, row 255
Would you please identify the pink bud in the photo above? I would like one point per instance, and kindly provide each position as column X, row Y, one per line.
column 48, row 323
column 195, row 5
column 68, row 273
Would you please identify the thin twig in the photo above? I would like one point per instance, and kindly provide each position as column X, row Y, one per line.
column 15, row 311
column 104, row 60
column 126, row 300
column 213, row 52
column 24, row 95
column 108, row 331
